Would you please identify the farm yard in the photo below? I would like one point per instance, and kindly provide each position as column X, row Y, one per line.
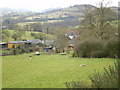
column 48, row 71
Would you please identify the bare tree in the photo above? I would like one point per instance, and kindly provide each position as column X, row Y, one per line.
column 99, row 20
column 61, row 40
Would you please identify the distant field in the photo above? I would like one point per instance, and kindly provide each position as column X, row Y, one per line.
column 14, row 17
column 25, row 23
column 48, row 71
column 27, row 35
column 42, row 22
column 49, row 15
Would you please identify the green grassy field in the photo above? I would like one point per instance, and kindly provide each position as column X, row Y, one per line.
column 27, row 35
column 4, row 51
column 42, row 22
column 48, row 71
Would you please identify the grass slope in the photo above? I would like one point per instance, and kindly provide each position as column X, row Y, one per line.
column 48, row 71
column 27, row 35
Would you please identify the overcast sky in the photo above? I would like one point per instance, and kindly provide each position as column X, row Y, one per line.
column 45, row 4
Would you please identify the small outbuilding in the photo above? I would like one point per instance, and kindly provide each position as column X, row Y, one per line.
column 3, row 45
column 71, row 46
column 17, row 43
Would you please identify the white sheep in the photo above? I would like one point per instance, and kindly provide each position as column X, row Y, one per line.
column 81, row 65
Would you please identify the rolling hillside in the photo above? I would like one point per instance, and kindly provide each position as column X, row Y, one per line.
column 75, row 12
column 27, row 35
column 71, row 15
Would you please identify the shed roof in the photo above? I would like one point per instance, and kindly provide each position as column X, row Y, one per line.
column 3, row 43
column 35, row 41
column 19, row 42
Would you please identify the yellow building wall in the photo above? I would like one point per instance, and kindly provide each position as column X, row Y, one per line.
column 10, row 45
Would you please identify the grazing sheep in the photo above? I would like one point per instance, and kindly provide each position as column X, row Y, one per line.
column 30, row 57
column 37, row 53
column 63, row 53
column 81, row 65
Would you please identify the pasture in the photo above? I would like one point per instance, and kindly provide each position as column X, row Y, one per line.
column 48, row 71
column 42, row 22
column 27, row 35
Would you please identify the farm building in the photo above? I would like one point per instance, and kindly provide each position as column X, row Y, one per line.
column 73, row 34
column 17, row 43
column 35, row 41
column 48, row 42
column 46, row 49
column 3, row 45
column 71, row 46
column 25, row 43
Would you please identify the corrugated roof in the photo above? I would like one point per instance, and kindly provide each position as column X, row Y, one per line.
column 19, row 42
column 3, row 43
column 35, row 41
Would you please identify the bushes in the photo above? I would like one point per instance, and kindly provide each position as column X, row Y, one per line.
column 108, row 79
column 112, row 48
column 99, row 54
column 97, row 48
column 76, row 84
column 89, row 48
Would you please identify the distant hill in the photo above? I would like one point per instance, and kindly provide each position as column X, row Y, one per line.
column 72, row 12
column 12, row 10
column 71, row 15
column 115, row 8
column 50, row 9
